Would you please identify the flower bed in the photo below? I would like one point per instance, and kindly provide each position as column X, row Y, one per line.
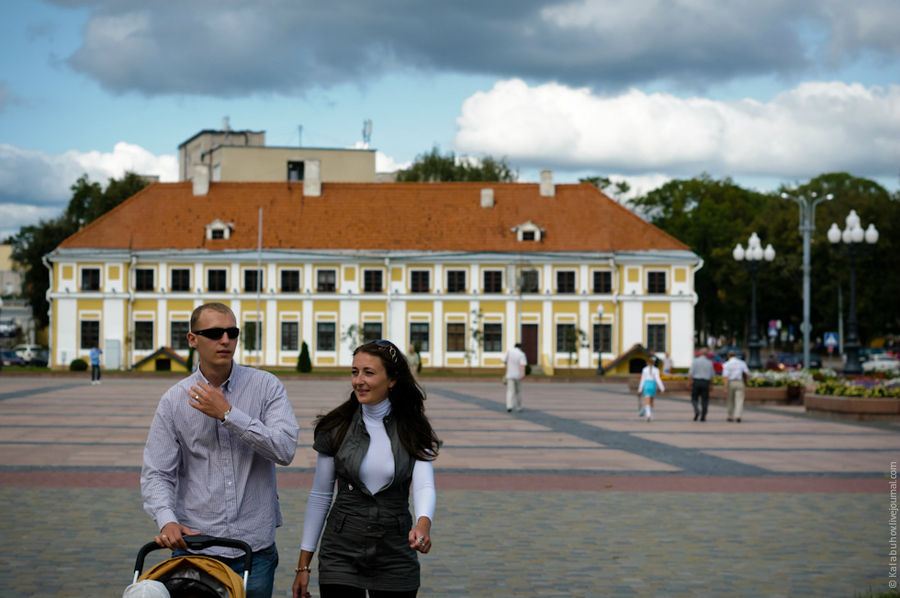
column 861, row 398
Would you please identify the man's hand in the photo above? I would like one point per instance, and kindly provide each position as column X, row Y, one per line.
column 171, row 534
column 209, row 400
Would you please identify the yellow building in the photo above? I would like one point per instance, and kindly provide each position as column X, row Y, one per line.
column 462, row 270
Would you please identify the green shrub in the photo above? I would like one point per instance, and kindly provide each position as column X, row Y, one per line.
column 304, row 364
column 78, row 365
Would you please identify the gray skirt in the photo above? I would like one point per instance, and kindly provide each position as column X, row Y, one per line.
column 368, row 552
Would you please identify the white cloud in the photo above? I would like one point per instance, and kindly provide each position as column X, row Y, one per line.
column 811, row 129
column 36, row 185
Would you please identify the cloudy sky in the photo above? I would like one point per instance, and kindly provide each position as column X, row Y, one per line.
column 768, row 92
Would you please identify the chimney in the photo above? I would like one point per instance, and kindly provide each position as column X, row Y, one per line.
column 547, row 187
column 200, row 179
column 312, row 178
column 487, row 198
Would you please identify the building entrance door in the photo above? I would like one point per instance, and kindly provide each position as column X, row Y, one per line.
column 530, row 342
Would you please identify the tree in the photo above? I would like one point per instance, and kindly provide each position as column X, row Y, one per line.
column 603, row 183
column 304, row 364
column 433, row 167
column 712, row 216
column 33, row 242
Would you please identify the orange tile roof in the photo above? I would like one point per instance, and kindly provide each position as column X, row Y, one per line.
column 372, row 216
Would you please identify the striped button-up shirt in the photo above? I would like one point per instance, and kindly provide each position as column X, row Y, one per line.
column 219, row 478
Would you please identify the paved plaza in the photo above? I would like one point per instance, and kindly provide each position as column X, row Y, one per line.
column 574, row 496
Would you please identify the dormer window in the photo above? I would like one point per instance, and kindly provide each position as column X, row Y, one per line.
column 219, row 230
column 528, row 231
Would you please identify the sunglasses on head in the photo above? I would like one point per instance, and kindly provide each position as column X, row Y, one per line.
column 387, row 346
column 216, row 333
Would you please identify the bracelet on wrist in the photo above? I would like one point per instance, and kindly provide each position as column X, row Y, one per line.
column 302, row 569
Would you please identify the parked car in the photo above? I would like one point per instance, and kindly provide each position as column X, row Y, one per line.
column 815, row 361
column 723, row 352
column 881, row 362
column 33, row 354
column 783, row 361
column 9, row 357
column 866, row 353
column 8, row 328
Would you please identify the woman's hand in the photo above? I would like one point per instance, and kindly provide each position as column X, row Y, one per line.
column 301, row 580
column 420, row 535
column 301, row 585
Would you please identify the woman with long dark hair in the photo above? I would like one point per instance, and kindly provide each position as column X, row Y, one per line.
column 371, row 448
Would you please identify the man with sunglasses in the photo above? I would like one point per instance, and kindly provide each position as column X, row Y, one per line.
column 209, row 461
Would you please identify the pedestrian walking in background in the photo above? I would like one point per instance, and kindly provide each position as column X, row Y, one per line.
column 209, row 461
column 700, row 375
column 649, row 385
column 666, row 364
column 515, row 361
column 736, row 374
column 375, row 445
column 95, row 365
column 414, row 360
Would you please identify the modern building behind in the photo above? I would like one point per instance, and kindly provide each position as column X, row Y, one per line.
column 240, row 156
column 462, row 270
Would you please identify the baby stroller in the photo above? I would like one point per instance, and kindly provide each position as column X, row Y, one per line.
column 197, row 576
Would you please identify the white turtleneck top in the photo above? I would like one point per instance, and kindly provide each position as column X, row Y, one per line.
column 376, row 472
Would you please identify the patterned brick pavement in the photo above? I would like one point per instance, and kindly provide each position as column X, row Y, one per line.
column 572, row 497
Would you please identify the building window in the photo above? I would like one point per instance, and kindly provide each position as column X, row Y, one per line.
column 326, row 280
column 295, row 170
column 290, row 281
column 250, row 335
column 493, row 281
column 178, row 335
column 456, row 337
column 528, row 235
column 565, row 338
column 419, row 281
column 456, row 281
column 143, row 335
column 603, row 338
column 217, row 280
column 371, row 331
column 656, row 282
column 143, row 279
column 493, row 338
column 602, row 281
column 418, row 335
column 372, row 281
column 325, row 336
column 252, row 281
column 290, row 336
column 90, row 279
column 217, row 233
column 90, row 334
column 565, row 281
column 181, row 279
column 656, row 338
column 528, row 281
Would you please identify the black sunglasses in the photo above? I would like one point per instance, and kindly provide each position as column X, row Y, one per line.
column 216, row 333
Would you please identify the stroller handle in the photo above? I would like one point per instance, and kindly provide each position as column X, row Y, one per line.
column 198, row 542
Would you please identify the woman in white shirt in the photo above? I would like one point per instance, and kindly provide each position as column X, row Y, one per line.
column 648, row 386
column 372, row 448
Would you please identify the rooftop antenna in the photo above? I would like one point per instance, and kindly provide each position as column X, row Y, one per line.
column 367, row 132
column 226, row 126
column 299, row 135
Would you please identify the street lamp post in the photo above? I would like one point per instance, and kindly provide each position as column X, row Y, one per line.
column 754, row 254
column 852, row 235
column 807, row 227
column 600, row 340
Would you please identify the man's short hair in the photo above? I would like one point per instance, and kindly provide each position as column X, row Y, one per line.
column 518, row 345
column 215, row 306
column 731, row 353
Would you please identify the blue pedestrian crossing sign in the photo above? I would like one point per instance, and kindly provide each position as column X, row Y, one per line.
column 831, row 339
